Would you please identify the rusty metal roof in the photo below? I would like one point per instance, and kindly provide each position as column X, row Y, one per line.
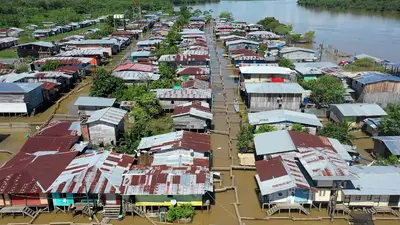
column 196, row 84
column 180, row 139
column 164, row 180
column 29, row 173
column 45, row 143
column 278, row 174
column 193, row 71
column 99, row 172
column 65, row 60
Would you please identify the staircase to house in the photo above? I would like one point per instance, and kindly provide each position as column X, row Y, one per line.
column 112, row 211
column 29, row 212
column 371, row 211
column 86, row 211
column 130, row 207
column 394, row 213
column 272, row 210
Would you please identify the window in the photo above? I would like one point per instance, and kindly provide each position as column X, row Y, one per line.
column 358, row 198
column 280, row 194
column 172, row 102
column 376, row 198
column 170, row 196
column 369, row 197
column 321, row 193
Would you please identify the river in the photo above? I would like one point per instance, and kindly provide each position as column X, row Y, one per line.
column 353, row 32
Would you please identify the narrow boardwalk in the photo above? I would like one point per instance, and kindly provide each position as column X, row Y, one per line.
column 226, row 121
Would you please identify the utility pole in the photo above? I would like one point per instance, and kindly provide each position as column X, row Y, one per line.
column 333, row 200
column 136, row 7
column 320, row 51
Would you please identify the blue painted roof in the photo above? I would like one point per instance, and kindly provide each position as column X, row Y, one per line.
column 95, row 101
column 392, row 143
column 18, row 87
column 375, row 77
column 141, row 54
column 197, row 18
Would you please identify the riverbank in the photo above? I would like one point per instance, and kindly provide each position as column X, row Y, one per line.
column 352, row 32
column 364, row 5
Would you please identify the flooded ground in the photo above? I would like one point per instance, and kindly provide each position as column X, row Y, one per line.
column 12, row 140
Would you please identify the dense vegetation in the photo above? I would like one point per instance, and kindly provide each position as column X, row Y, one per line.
column 325, row 90
column 373, row 5
column 364, row 64
column 339, row 131
column 19, row 13
column 273, row 25
column 390, row 125
column 183, row 211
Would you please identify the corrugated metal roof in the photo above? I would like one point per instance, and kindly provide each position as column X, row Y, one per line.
column 12, row 77
column 340, row 149
column 39, row 43
column 375, row 180
column 240, row 41
column 392, row 143
column 148, row 42
column 109, row 115
column 360, row 109
column 13, row 107
column 274, row 88
column 183, row 93
column 191, row 31
column 8, row 39
column 95, row 101
column 136, row 75
column 58, row 128
column 193, row 71
column 27, row 173
column 325, row 164
column 375, row 77
column 265, row 70
column 362, row 56
column 65, row 60
column 194, row 109
column 46, row 143
column 179, row 158
column 167, row 58
column 191, row 58
column 231, row 36
column 141, row 54
column 273, row 142
column 180, row 139
column 279, row 116
column 18, row 88
column 83, row 52
column 93, row 42
column 278, row 174
column 295, row 49
column 197, row 84
column 163, row 180
column 99, row 172
column 135, row 67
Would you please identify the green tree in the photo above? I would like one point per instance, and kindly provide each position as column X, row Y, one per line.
column 284, row 62
column 105, row 84
column 300, row 128
column 391, row 160
column 364, row 64
column 180, row 211
column 339, row 131
column 265, row 128
column 281, row 29
column 244, row 137
column 390, row 124
column 309, row 36
column 50, row 66
column 325, row 90
column 227, row 15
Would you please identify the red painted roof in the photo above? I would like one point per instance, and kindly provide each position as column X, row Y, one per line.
column 57, row 129
column 305, row 140
column 67, row 69
column 196, row 141
column 273, row 168
column 194, row 58
column 197, row 84
column 193, row 71
column 48, row 85
column 44, row 143
column 241, row 51
column 135, row 67
column 186, row 108
column 27, row 173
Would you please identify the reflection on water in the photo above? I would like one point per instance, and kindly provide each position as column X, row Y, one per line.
column 354, row 32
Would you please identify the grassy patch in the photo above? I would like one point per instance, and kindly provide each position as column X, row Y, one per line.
column 8, row 53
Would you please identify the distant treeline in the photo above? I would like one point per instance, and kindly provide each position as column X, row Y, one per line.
column 19, row 13
column 372, row 5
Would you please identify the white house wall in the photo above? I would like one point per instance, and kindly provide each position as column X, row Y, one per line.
column 367, row 200
column 102, row 133
column 299, row 56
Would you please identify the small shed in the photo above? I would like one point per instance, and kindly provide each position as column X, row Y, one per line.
column 387, row 145
column 192, row 116
column 140, row 55
column 104, row 126
column 355, row 113
column 20, row 98
column 86, row 105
